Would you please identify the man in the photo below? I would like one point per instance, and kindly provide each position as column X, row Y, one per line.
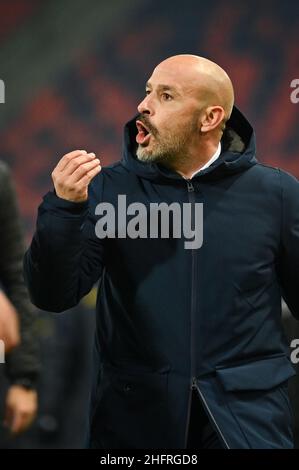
column 189, row 348
column 16, row 320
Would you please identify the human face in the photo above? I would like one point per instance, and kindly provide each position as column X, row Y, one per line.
column 168, row 123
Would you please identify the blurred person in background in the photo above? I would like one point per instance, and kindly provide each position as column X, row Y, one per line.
column 19, row 373
column 190, row 350
column 9, row 326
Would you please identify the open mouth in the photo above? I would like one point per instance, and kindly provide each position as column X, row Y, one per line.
column 143, row 135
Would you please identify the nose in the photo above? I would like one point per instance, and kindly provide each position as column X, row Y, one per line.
column 145, row 107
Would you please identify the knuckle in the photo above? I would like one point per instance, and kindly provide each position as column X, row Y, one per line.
column 73, row 164
column 58, row 182
column 85, row 181
column 85, row 167
column 80, row 170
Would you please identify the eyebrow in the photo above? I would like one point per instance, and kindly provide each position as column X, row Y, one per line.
column 163, row 87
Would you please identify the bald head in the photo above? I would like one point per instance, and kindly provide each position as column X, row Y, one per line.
column 187, row 102
column 201, row 77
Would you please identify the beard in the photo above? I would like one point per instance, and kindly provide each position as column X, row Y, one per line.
column 172, row 146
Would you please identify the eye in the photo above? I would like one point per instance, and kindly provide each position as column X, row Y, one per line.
column 166, row 96
column 147, row 92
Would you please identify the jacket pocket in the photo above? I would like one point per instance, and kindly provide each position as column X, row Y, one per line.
column 261, row 374
column 131, row 408
column 257, row 398
column 137, row 384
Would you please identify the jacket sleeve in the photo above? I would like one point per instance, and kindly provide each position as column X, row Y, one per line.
column 65, row 257
column 23, row 361
column 289, row 250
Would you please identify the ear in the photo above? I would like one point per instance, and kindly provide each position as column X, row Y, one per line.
column 211, row 118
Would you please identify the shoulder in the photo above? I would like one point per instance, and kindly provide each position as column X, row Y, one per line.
column 112, row 179
column 267, row 170
column 115, row 170
column 289, row 187
column 275, row 176
column 275, row 172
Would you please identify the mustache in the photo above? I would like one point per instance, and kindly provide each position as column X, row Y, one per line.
column 152, row 129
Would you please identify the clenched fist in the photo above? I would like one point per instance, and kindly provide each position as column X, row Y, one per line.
column 73, row 174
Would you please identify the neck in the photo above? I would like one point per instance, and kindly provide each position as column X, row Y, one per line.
column 194, row 160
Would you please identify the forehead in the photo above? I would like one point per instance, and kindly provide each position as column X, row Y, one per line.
column 177, row 77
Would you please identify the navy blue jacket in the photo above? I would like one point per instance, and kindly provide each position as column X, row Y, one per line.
column 171, row 319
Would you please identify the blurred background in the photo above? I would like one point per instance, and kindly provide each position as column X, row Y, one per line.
column 74, row 72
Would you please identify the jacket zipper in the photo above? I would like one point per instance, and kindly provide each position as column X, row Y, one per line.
column 191, row 198
column 190, row 188
column 194, row 385
column 206, row 407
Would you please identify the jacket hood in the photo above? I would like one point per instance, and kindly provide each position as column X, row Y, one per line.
column 237, row 152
